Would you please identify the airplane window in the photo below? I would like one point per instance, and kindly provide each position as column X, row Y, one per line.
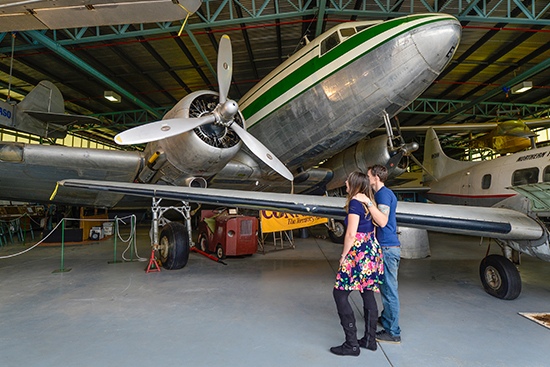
column 486, row 182
column 329, row 43
column 525, row 176
column 346, row 32
column 546, row 174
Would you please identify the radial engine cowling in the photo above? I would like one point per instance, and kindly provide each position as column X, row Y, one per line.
column 360, row 157
column 204, row 151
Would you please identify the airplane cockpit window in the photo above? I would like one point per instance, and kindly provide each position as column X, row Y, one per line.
column 525, row 176
column 546, row 174
column 330, row 42
column 346, row 32
column 486, row 182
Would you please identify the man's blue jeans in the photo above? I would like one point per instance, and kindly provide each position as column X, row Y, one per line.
column 388, row 290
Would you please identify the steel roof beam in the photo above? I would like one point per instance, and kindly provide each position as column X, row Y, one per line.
column 211, row 16
column 518, row 79
column 68, row 56
column 489, row 110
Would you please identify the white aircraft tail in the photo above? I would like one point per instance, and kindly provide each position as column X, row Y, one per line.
column 436, row 162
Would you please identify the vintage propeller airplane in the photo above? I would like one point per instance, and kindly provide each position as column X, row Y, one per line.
column 322, row 100
column 355, row 75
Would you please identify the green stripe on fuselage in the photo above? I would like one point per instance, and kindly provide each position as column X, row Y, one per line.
column 316, row 63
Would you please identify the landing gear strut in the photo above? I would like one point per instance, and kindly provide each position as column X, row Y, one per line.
column 336, row 230
column 174, row 241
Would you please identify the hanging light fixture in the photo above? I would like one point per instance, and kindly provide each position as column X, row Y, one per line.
column 112, row 96
column 521, row 87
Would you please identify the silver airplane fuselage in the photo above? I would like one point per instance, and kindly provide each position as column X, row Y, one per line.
column 325, row 98
column 332, row 93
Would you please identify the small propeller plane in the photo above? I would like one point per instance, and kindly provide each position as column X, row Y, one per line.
column 325, row 98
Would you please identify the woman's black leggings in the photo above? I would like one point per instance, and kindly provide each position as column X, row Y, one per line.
column 342, row 302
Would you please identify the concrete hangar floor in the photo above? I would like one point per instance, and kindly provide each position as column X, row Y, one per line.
column 272, row 309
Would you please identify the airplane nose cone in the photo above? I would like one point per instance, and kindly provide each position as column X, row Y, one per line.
column 437, row 42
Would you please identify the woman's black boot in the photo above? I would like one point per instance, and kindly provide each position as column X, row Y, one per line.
column 351, row 345
column 369, row 340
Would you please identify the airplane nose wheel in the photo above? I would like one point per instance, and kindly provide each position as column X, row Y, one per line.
column 500, row 277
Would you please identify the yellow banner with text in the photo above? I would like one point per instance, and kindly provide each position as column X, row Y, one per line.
column 277, row 221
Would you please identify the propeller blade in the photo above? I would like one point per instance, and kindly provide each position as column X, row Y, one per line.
column 262, row 152
column 161, row 129
column 225, row 67
column 394, row 161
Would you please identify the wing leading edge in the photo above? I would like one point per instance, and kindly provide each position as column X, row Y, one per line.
column 474, row 221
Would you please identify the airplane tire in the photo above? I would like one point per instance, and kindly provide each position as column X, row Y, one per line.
column 174, row 246
column 337, row 236
column 500, row 277
column 203, row 242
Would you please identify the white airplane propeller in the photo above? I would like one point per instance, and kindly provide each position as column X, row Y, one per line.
column 223, row 114
column 262, row 152
column 225, row 67
column 161, row 129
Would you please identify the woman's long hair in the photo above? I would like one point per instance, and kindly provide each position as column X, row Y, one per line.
column 358, row 182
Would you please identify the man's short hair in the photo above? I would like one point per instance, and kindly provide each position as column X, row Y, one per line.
column 380, row 171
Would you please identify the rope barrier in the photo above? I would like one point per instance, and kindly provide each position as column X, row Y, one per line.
column 33, row 246
column 131, row 238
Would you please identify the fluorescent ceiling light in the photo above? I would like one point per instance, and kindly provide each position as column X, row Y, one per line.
column 112, row 96
column 522, row 87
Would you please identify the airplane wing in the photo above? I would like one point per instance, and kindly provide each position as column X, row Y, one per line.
column 28, row 172
column 46, row 14
column 475, row 221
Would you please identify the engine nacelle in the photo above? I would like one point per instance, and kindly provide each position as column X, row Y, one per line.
column 360, row 157
column 202, row 152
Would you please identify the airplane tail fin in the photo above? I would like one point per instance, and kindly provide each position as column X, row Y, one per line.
column 42, row 113
column 44, row 97
column 436, row 162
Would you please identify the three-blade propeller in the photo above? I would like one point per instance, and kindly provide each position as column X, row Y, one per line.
column 223, row 114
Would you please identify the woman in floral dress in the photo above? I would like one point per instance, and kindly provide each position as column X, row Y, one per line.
column 361, row 268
